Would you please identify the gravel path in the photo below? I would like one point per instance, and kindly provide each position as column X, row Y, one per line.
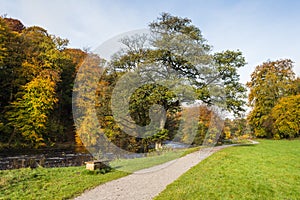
column 147, row 183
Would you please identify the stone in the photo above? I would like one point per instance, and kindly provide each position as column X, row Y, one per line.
column 97, row 164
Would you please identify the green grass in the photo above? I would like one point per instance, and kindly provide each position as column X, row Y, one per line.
column 68, row 182
column 132, row 165
column 269, row 170
column 50, row 183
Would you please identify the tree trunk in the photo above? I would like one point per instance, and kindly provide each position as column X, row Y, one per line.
column 11, row 137
column 162, row 122
column 157, row 145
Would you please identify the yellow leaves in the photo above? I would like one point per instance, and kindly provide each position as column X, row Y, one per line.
column 210, row 141
column 286, row 115
column 269, row 82
column 30, row 114
column 227, row 132
column 33, row 62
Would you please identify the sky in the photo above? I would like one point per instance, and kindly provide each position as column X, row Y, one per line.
column 262, row 29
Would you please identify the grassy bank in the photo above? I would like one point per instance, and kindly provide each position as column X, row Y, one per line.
column 269, row 170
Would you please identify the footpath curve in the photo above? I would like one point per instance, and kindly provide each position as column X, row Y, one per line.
column 148, row 183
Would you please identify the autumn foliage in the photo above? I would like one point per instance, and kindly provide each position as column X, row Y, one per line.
column 38, row 72
column 274, row 101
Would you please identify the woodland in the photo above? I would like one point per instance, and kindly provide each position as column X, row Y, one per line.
column 38, row 70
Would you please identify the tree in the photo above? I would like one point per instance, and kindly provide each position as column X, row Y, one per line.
column 11, row 58
column 286, row 115
column 269, row 82
column 227, row 63
column 84, row 95
column 179, row 59
column 29, row 114
column 14, row 24
column 61, row 127
column 34, row 64
column 297, row 86
column 34, row 87
column 186, row 50
column 199, row 127
column 144, row 99
column 234, row 128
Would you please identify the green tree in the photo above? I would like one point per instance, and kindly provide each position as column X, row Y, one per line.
column 179, row 54
column 185, row 50
column 269, row 82
column 227, row 64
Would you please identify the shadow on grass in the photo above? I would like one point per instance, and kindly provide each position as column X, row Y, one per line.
column 99, row 171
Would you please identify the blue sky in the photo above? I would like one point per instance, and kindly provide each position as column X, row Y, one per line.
column 262, row 29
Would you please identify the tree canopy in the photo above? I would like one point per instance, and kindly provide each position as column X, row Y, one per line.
column 172, row 65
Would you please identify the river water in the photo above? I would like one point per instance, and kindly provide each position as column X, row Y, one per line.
column 43, row 158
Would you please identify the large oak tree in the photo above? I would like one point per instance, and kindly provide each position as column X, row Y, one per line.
column 176, row 51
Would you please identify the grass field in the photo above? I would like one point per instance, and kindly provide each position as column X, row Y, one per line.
column 269, row 170
column 67, row 182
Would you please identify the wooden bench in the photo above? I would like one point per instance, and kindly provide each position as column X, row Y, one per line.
column 97, row 164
